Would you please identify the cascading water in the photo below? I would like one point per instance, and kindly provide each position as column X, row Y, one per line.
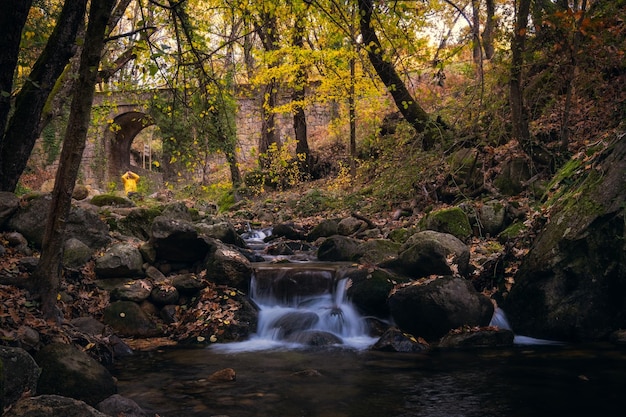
column 302, row 304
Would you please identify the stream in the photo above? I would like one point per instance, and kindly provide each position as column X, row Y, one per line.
column 282, row 371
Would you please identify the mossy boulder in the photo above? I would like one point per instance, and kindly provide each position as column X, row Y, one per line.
column 572, row 284
column 102, row 200
column 453, row 221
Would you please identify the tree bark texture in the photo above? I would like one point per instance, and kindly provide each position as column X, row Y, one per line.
column 298, row 96
column 519, row 114
column 22, row 129
column 412, row 112
column 12, row 21
column 48, row 272
column 487, row 35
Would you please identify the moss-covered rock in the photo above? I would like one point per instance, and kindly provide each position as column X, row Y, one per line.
column 113, row 200
column 453, row 221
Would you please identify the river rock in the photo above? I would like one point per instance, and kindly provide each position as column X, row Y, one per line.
column 116, row 405
column 222, row 231
column 177, row 240
column 314, row 338
column 188, row 283
column 295, row 321
column 20, row 374
column 339, row 248
column 288, row 231
column 395, row 340
column 431, row 253
column 370, row 289
column 163, row 294
column 572, row 284
column 482, row 338
column 225, row 265
column 120, row 260
column 376, row 251
column 289, row 283
column 52, row 406
column 325, row 228
column 29, row 219
column 453, row 221
column 350, row 226
column 138, row 222
column 133, row 290
column 128, row 319
column 9, row 203
column 70, row 372
column 492, row 217
column 430, row 308
column 76, row 253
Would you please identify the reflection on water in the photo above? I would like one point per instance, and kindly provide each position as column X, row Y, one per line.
column 539, row 381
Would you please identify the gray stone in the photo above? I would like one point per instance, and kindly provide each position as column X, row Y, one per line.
column 9, row 203
column 128, row 319
column 70, row 372
column 120, row 260
column 76, row 253
column 23, row 370
column 134, row 290
column 177, row 240
column 116, row 405
column 52, row 406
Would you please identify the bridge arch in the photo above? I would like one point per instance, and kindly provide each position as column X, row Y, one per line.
column 119, row 137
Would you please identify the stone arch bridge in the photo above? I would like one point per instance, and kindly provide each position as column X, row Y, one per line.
column 122, row 115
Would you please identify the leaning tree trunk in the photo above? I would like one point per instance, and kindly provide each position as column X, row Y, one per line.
column 22, row 130
column 412, row 112
column 48, row 272
column 12, row 21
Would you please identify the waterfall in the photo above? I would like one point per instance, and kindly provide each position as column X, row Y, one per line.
column 303, row 305
column 500, row 320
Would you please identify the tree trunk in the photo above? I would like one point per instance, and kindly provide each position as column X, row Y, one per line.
column 12, row 21
column 267, row 29
column 488, row 30
column 21, row 133
column 412, row 112
column 519, row 114
column 298, row 95
column 477, row 53
column 48, row 272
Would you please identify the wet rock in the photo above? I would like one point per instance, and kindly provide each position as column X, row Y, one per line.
column 395, row 340
column 23, row 371
column 225, row 265
column 339, row 248
column 482, row 338
column 222, row 231
column 325, row 228
column 314, row 338
column 370, row 289
column 288, row 231
column 430, row 308
column 177, row 240
column 116, row 405
column 52, row 406
column 294, row 322
column 290, row 284
column 128, row 319
column 223, row 375
column 376, row 251
column 70, row 372
column 431, row 253
column 119, row 260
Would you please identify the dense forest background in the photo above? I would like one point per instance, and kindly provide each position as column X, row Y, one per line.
column 434, row 100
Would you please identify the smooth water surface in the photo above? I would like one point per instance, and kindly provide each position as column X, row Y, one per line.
column 534, row 381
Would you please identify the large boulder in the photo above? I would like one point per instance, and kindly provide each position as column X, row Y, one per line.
column 84, row 225
column 452, row 220
column 20, row 373
column 572, row 284
column 339, row 248
column 52, row 406
column 137, row 222
column 9, row 203
column 225, row 265
column 120, row 260
column 223, row 231
column 370, row 289
column 177, row 240
column 430, row 308
column 431, row 253
column 70, row 372
column 128, row 319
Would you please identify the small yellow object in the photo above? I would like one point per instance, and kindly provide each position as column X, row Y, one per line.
column 200, row 339
column 213, row 338
column 122, row 315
